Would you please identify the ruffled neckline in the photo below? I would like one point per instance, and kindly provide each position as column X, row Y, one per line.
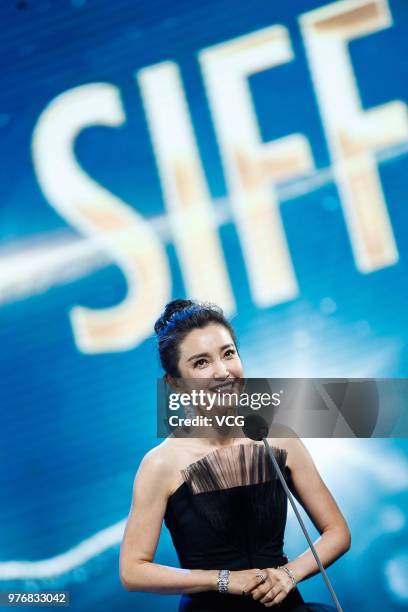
column 229, row 467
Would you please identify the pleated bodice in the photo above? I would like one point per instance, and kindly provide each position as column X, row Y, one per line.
column 230, row 512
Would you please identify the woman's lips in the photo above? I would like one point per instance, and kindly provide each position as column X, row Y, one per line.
column 227, row 386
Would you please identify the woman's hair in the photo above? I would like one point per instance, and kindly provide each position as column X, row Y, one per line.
column 178, row 319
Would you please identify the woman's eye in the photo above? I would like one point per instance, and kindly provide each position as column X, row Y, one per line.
column 197, row 363
column 201, row 362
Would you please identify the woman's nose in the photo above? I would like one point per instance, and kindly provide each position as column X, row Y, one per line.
column 220, row 370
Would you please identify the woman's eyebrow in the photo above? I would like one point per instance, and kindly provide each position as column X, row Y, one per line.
column 207, row 354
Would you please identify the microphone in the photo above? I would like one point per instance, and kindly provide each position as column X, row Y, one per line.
column 256, row 428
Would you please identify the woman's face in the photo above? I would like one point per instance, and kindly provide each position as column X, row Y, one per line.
column 209, row 353
column 209, row 362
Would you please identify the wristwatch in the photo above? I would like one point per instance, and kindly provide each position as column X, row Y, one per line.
column 223, row 579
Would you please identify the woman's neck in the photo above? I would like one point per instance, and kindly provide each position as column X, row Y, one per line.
column 220, row 438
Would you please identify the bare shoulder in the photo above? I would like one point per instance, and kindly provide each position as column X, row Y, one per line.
column 163, row 462
column 153, row 475
column 284, row 437
column 158, row 457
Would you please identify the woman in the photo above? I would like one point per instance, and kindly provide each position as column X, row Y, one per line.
column 219, row 497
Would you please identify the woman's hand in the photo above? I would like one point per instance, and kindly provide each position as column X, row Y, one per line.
column 274, row 590
column 243, row 580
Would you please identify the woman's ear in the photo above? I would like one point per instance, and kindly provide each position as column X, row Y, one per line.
column 173, row 382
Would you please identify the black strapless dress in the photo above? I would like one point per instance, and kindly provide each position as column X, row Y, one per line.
column 230, row 513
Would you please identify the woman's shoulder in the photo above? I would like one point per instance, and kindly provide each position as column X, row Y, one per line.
column 166, row 456
column 281, row 435
column 285, row 438
column 159, row 455
column 165, row 461
column 155, row 469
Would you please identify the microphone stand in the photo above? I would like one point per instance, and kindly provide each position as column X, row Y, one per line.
column 299, row 518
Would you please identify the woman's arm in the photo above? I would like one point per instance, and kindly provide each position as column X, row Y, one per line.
column 137, row 571
column 335, row 539
column 310, row 490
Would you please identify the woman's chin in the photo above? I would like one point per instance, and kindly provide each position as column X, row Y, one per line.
column 220, row 411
